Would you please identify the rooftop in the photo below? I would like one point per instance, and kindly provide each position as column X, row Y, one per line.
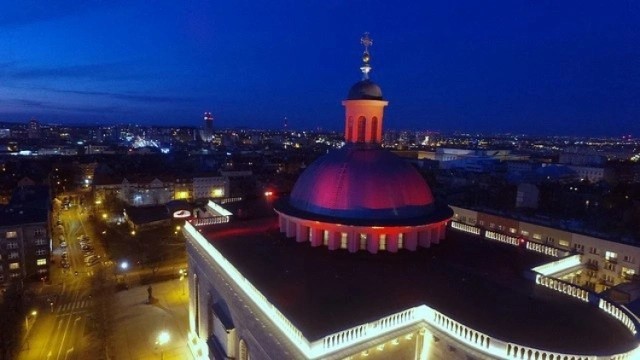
column 476, row 282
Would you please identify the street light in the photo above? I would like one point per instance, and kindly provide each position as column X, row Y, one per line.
column 124, row 265
column 162, row 339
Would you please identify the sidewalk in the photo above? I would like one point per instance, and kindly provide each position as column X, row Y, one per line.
column 136, row 324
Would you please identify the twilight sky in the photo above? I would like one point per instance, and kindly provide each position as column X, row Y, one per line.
column 538, row 67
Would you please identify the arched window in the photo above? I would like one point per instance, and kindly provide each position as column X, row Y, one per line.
column 350, row 129
column 362, row 124
column 374, row 130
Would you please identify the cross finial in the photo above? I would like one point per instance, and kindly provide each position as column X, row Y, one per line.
column 366, row 41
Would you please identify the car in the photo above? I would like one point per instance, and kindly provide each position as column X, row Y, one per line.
column 65, row 255
column 86, row 247
column 63, row 244
column 90, row 258
column 65, row 265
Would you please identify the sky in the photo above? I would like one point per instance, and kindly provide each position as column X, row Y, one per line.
column 535, row 67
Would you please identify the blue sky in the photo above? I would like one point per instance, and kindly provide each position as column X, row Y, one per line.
column 540, row 67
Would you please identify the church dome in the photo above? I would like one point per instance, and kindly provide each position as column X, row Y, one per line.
column 365, row 90
column 361, row 183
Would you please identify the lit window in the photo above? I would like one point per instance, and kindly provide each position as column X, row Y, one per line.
column 41, row 262
column 512, row 230
column 383, row 242
column 611, row 256
column 537, row 236
column 12, row 234
column 217, row 192
column 14, row 266
column 524, row 233
column 363, row 241
column 564, row 243
column 325, row 238
column 401, row 241
column 343, row 240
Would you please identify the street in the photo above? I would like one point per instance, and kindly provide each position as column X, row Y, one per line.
column 64, row 322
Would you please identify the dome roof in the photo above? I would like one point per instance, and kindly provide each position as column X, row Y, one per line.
column 365, row 90
column 362, row 183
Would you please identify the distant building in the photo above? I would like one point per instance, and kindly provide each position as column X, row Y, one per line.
column 527, row 196
column 25, row 237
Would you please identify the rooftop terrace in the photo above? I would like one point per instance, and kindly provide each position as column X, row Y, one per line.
column 476, row 282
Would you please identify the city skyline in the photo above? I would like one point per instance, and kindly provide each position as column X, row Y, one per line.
column 567, row 69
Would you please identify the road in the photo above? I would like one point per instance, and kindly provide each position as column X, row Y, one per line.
column 62, row 329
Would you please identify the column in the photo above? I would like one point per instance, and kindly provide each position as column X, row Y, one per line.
column 411, row 240
column 392, row 243
column 282, row 221
column 424, row 237
column 435, row 233
column 291, row 228
column 334, row 240
column 302, row 233
column 373, row 243
column 316, row 238
column 353, row 241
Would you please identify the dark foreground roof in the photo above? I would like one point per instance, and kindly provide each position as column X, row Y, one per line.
column 476, row 282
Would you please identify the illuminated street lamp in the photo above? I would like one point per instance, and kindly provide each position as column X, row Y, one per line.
column 124, row 265
column 162, row 339
column 26, row 323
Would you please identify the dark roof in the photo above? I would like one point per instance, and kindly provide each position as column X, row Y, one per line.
column 474, row 281
column 365, row 90
column 146, row 214
column 10, row 216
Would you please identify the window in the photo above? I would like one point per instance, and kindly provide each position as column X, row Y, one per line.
column 325, row 238
column 350, row 129
column 343, row 240
column 363, row 241
column 374, row 129
column 593, row 250
column 492, row 225
column 383, row 242
column 41, row 252
column 362, row 122
column 564, row 243
column 579, row 248
column 537, row 236
column 14, row 266
column 401, row 241
column 512, row 230
column 524, row 233
column 40, row 242
column 12, row 234
column 13, row 255
column 610, row 256
column 38, row 233
column 12, row 245
column 481, row 222
column 41, row 262
column 629, row 259
column 610, row 266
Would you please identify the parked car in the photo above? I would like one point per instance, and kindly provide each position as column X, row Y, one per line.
column 63, row 244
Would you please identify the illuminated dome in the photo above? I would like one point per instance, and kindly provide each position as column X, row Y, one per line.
column 362, row 183
column 365, row 90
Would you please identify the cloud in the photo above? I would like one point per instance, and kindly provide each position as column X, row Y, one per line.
column 105, row 71
column 146, row 98
column 36, row 106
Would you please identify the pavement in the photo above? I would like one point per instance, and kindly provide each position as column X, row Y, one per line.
column 137, row 324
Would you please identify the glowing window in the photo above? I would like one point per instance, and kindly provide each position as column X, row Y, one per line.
column 12, row 234
column 383, row 242
column 363, row 241
column 14, row 266
column 325, row 238
column 217, row 192
column 610, row 255
column 41, row 262
column 343, row 240
column 564, row 243
column 537, row 236
column 401, row 241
